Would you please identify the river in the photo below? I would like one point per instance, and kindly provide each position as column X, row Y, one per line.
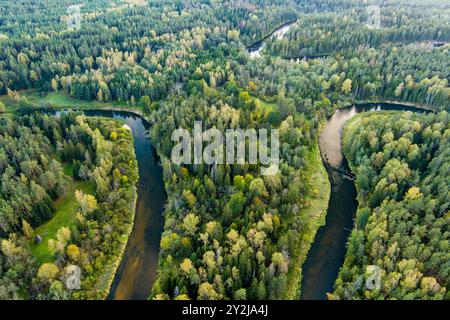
column 138, row 268
column 328, row 250
column 256, row 49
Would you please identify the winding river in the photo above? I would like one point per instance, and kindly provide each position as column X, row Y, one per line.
column 328, row 250
column 138, row 268
column 256, row 49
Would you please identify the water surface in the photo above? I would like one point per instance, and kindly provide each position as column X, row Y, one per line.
column 138, row 268
column 255, row 50
column 328, row 250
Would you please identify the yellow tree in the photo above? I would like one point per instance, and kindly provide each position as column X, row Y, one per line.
column 190, row 223
column 27, row 229
column 347, row 86
column 54, row 85
column 73, row 252
column 86, row 202
column 48, row 272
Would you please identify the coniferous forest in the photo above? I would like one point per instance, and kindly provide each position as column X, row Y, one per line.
column 401, row 163
column 78, row 188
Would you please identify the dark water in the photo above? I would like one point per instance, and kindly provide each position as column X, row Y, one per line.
column 137, row 270
column 328, row 250
column 255, row 49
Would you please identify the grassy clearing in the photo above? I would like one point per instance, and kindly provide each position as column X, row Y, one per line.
column 68, row 169
column 65, row 216
column 315, row 214
column 268, row 106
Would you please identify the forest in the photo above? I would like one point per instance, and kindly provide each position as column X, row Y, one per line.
column 42, row 157
column 229, row 218
column 229, row 232
column 330, row 32
column 402, row 165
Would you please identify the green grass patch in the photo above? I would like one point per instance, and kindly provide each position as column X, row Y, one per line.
column 268, row 106
column 68, row 169
column 65, row 216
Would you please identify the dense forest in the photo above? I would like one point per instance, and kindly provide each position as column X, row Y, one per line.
column 42, row 158
column 112, row 58
column 402, row 165
column 330, row 32
column 230, row 232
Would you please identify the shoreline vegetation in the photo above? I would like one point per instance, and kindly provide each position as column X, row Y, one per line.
column 318, row 206
column 60, row 101
column 115, row 264
column 87, row 220
column 378, row 208
column 261, row 40
column 111, row 270
column 316, row 212
column 383, row 101
column 224, row 231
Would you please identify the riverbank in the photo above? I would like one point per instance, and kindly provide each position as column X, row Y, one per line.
column 257, row 43
column 349, row 127
column 93, row 210
column 65, row 215
column 111, row 271
column 61, row 100
column 315, row 214
column 105, row 280
column 329, row 250
column 348, row 104
column 384, row 209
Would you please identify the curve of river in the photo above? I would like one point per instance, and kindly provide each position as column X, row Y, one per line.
column 138, row 268
column 255, row 49
column 328, row 250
